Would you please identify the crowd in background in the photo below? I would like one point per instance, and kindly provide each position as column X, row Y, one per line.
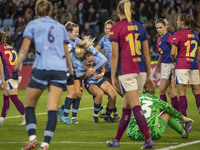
column 91, row 16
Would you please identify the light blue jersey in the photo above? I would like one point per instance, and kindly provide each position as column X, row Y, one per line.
column 77, row 64
column 105, row 44
column 49, row 37
column 71, row 48
column 81, row 72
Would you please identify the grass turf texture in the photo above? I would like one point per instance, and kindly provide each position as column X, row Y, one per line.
column 87, row 135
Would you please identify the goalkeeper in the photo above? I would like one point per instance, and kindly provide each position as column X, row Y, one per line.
column 151, row 107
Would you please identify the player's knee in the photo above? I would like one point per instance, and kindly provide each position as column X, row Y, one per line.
column 112, row 97
column 100, row 95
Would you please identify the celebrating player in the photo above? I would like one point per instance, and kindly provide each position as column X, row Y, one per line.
column 8, row 57
column 164, row 43
column 105, row 44
column 75, row 90
column 186, row 53
column 129, row 46
column 51, row 40
column 96, row 84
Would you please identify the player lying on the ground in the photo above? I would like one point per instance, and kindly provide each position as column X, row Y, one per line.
column 151, row 107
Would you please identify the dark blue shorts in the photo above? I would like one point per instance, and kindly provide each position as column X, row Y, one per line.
column 87, row 85
column 108, row 75
column 40, row 79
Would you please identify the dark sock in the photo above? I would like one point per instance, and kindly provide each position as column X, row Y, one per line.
column 141, row 121
column 163, row 97
column 6, row 106
column 183, row 105
column 126, row 114
column 175, row 103
column 18, row 104
column 108, row 111
column 75, row 107
column 197, row 97
column 30, row 120
column 96, row 108
column 68, row 102
column 114, row 109
column 51, row 126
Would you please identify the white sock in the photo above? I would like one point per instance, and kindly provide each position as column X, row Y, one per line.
column 44, row 144
column 32, row 137
column 102, row 111
column 96, row 115
column 1, row 118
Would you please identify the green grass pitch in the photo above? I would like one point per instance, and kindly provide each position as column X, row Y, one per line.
column 87, row 135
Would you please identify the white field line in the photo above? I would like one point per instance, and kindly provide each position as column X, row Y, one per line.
column 180, row 145
column 121, row 143
column 46, row 112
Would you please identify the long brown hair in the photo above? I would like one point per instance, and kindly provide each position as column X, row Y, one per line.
column 190, row 22
column 124, row 7
column 70, row 25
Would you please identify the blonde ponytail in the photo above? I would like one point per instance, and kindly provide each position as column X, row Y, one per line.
column 127, row 10
column 124, row 7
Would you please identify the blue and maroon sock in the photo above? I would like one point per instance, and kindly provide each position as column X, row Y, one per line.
column 163, row 97
column 141, row 121
column 126, row 114
column 197, row 97
column 183, row 105
column 175, row 103
column 6, row 106
column 18, row 104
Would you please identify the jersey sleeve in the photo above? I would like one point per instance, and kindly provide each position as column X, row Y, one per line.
column 79, row 71
column 162, row 105
column 98, row 54
column 101, row 43
column 170, row 39
column 75, row 61
column 176, row 39
column 143, row 35
column 28, row 32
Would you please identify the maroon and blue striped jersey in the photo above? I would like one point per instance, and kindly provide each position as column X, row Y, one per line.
column 129, row 36
column 164, row 47
column 9, row 57
column 187, row 42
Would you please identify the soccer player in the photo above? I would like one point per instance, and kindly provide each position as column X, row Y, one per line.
column 8, row 57
column 151, row 107
column 164, row 43
column 96, row 84
column 129, row 46
column 186, row 53
column 75, row 90
column 105, row 44
column 49, row 70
